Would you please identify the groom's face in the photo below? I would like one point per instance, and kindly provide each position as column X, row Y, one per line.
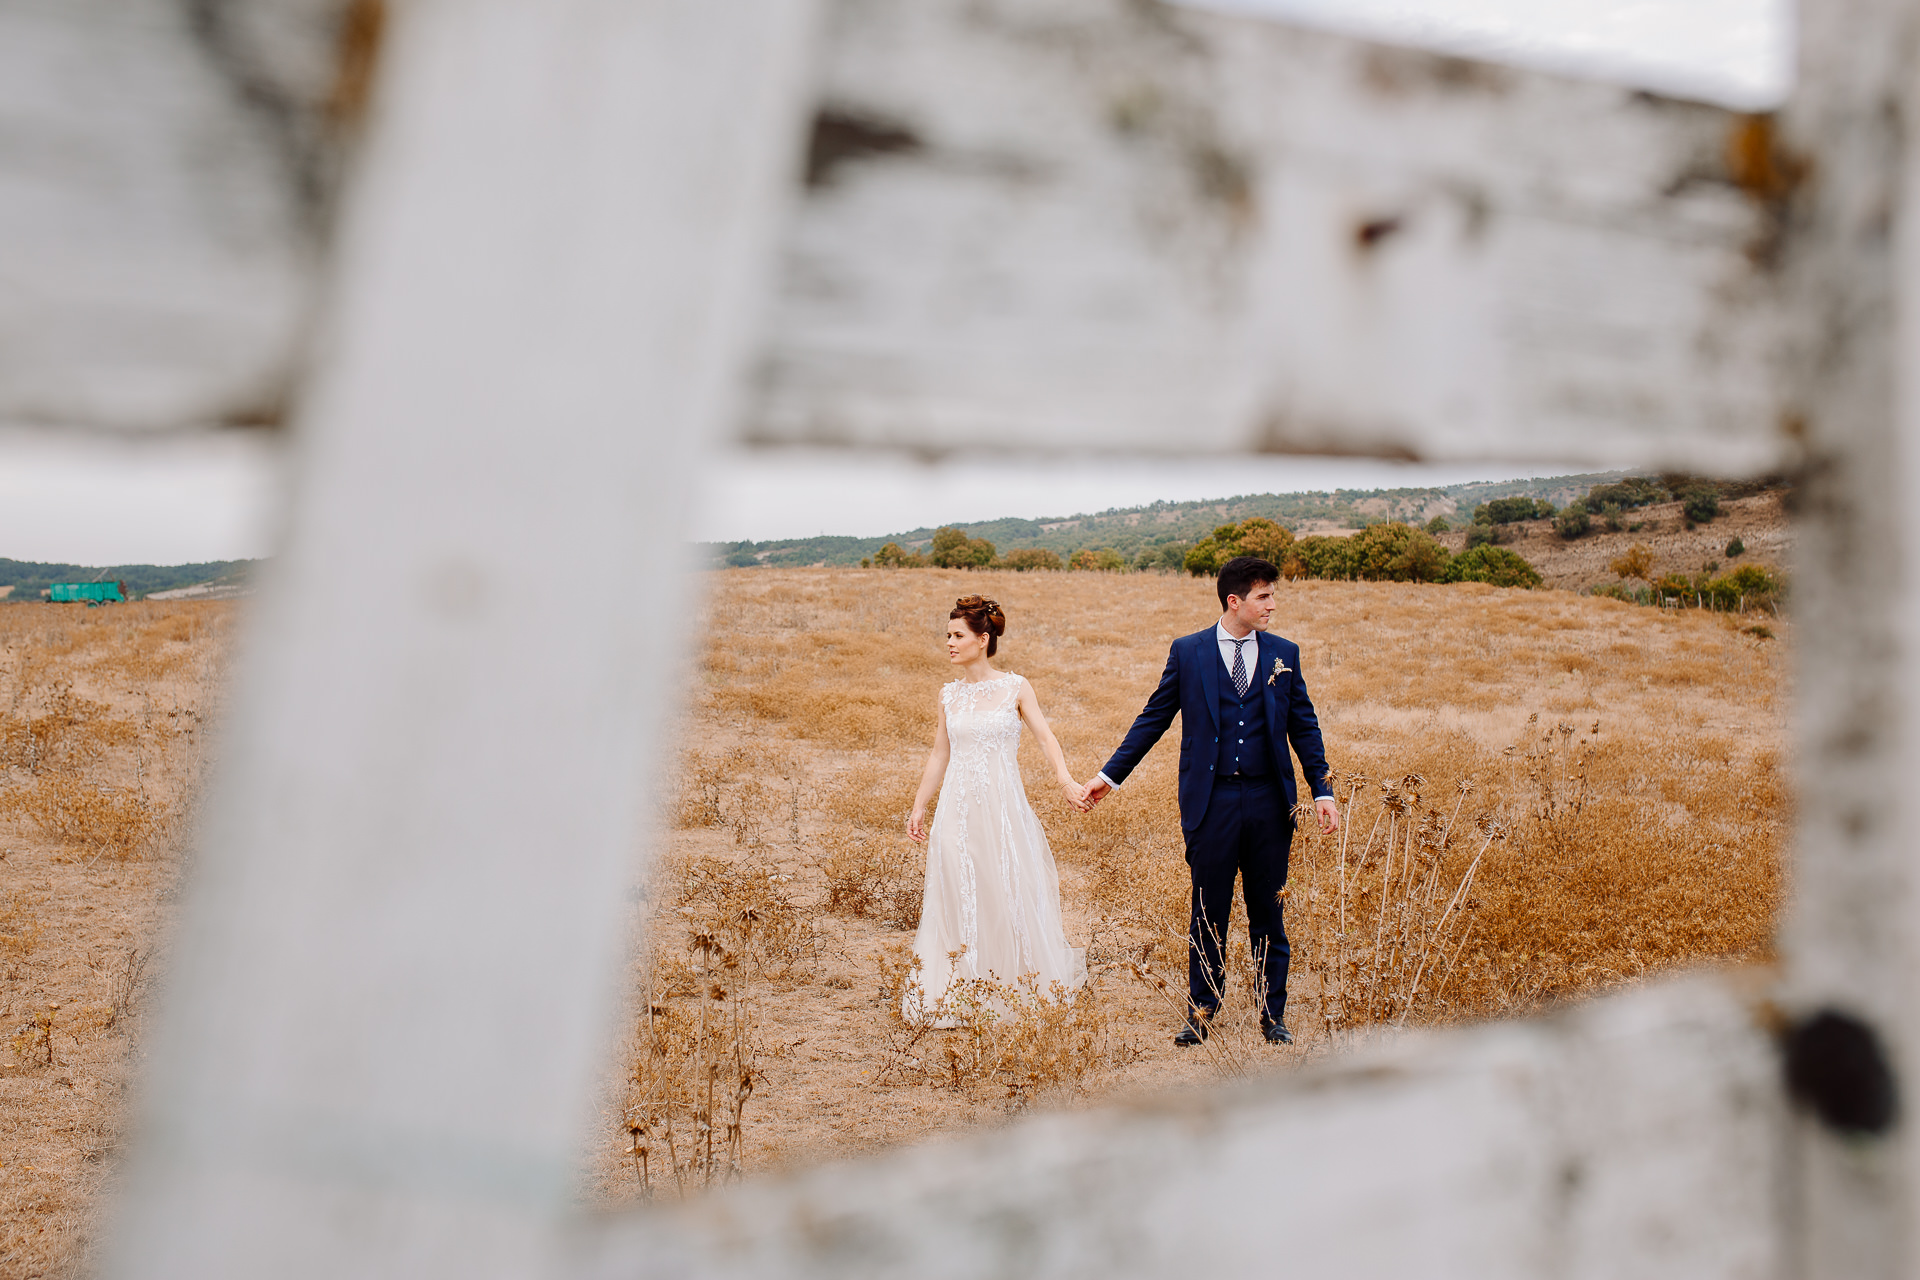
column 1256, row 610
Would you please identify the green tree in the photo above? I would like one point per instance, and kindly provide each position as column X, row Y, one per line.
column 952, row 549
column 949, row 549
column 1262, row 537
column 1439, row 525
column 892, row 556
column 1397, row 552
column 1494, row 565
column 1736, row 548
column 1205, row 557
column 1027, row 559
column 1319, row 556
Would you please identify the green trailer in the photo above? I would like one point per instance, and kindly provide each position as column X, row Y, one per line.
column 94, row 593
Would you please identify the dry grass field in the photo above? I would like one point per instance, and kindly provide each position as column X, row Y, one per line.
column 1546, row 795
column 1626, row 814
column 104, row 719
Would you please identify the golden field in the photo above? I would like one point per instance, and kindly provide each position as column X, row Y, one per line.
column 103, row 743
column 1616, row 770
column 1626, row 813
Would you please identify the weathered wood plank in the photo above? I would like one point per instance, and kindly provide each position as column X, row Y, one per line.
column 1636, row 1137
column 1039, row 225
column 393, row 979
column 164, row 171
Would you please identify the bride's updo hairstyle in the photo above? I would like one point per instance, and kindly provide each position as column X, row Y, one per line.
column 983, row 618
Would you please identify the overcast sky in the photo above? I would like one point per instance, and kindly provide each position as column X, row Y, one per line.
column 84, row 501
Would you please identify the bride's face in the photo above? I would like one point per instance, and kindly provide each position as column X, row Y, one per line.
column 962, row 645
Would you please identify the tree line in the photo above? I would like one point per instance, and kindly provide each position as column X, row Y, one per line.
column 1391, row 552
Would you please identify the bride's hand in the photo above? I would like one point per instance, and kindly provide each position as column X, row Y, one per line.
column 1076, row 794
column 917, row 826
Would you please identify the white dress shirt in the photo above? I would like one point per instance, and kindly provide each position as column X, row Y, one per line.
column 1225, row 639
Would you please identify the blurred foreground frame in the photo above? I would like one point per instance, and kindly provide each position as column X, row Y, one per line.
column 507, row 268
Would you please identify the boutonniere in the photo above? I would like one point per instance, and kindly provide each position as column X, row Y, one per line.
column 1280, row 668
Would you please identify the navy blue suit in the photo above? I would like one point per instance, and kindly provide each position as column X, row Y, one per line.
column 1237, row 792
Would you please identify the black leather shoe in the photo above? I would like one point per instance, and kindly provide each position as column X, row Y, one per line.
column 1276, row 1033
column 1191, row 1034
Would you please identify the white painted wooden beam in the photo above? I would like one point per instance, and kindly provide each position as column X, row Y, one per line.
column 392, row 985
column 1637, row 1137
column 1057, row 224
column 1035, row 224
column 164, row 167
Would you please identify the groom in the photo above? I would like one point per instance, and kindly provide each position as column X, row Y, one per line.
column 1241, row 702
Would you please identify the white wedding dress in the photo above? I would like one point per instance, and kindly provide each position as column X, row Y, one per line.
column 992, row 893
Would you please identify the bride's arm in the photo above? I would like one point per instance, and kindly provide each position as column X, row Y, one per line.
column 1030, row 712
column 930, row 780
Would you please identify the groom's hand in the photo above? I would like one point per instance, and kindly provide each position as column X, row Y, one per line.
column 1096, row 792
column 1328, row 811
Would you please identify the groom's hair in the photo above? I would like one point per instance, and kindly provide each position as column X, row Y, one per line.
column 1240, row 575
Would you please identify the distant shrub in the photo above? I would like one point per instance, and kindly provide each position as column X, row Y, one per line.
column 1495, row 566
column 1635, row 491
column 1512, row 510
column 1736, row 548
column 1098, row 560
column 1674, row 584
column 1027, row 559
column 1749, row 581
column 1700, row 504
column 1483, row 534
column 1637, row 562
column 1574, row 522
column 1168, row 557
column 892, row 556
column 1439, row 525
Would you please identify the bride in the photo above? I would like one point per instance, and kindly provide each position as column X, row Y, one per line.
column 992, row 905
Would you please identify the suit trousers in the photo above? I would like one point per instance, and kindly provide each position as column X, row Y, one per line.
column 1246, row 830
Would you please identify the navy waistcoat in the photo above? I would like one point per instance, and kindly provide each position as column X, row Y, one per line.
column 1244, row 746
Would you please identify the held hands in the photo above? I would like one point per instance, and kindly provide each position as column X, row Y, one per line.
column 1094, row 792
column 1076, row 794
column 1328, row 811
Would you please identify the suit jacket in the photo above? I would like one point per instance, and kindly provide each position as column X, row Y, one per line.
column 1191, row 686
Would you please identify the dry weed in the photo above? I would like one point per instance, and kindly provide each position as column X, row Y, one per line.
column 1009, row 1035
column 694, row 1069
column 875, row 876
column 107, row 820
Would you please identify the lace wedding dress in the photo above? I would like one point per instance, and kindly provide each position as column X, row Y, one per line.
column 992, row 895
